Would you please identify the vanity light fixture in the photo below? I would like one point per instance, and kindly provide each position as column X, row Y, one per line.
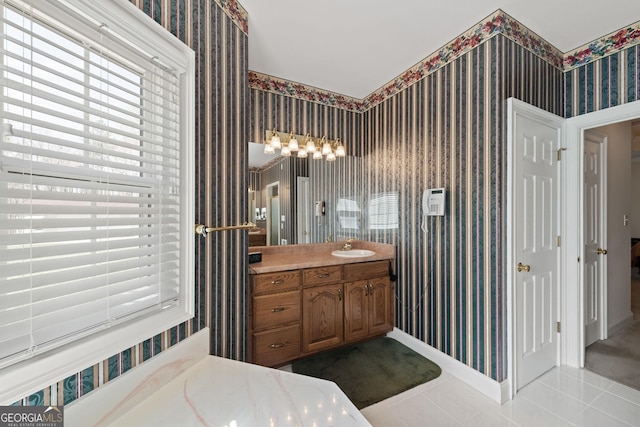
column 268, row 149
column 293, row 142
column 326, row 147
column 311, row 146
column 340, row 152
column 275, row 140
column 289, row 145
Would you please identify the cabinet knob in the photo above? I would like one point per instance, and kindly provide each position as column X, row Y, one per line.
column 277, row 345
column 339, row 294
column 277, row 282
column 278, row 309
column 322, row 276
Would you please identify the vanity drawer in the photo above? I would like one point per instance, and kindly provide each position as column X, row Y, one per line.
column 275, row 310
column 277, row 346
column 276, row 282
column 365, row 270
column 322, row 275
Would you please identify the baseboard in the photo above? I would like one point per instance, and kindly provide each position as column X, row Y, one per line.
column 498, row 392
column 619, row 324
column 108, row 402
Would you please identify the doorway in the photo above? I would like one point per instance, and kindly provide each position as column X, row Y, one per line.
column 573, row 308
column 615, row 353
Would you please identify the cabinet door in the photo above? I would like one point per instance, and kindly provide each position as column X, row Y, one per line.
column 379, row 303
column 322, row 317
column 356, row 317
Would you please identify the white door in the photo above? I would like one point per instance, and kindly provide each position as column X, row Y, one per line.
column 535, row 137
column 303, row 206
column 593, row 278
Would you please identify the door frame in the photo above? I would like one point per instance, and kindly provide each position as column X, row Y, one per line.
column 602, row 273
column 515, row 107
column 572, row 337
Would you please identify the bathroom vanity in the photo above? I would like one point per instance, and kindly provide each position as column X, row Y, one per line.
column 304, row 299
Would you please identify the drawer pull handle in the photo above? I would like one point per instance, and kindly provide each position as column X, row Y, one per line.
column 323, row 276
column 277, row 345
column 277, row 282
column 276, row 310
column 339, row 294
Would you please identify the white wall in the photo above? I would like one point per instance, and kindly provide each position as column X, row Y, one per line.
column 618, row 241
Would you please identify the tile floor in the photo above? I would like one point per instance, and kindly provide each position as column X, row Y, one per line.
column 562, row 397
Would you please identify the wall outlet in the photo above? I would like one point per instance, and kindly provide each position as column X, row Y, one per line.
column 283, row 241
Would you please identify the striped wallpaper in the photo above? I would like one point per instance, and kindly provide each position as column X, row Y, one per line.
column 216, row 30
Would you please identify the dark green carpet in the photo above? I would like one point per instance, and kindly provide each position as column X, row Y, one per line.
column 370, row 371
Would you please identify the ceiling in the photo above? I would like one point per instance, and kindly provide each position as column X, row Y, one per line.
column 354, row 47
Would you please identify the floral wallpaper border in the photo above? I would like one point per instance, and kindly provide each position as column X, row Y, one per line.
column 280, row 86
column 611, row 43
column 237, row 13
column 498, row 22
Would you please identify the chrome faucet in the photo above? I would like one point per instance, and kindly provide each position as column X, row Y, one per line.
column 347, row 246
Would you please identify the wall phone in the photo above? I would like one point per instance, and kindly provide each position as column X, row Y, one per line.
column 433, row 204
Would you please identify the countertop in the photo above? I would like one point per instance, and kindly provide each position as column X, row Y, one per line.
column 220, row 392
column 295, row 257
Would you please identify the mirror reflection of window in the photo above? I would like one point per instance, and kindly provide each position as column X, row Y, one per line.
column 348, row 214
column 383, row 211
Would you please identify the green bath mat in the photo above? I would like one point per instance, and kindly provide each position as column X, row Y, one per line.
column 370, row 371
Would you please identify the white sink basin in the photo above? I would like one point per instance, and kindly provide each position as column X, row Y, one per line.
column 353, row 253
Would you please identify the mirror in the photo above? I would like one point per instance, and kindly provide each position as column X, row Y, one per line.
column 294, row 200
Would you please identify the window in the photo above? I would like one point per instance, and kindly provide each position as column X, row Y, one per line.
column 95, row 165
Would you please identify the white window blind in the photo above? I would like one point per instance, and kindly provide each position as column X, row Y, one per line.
column 90, row 182
column 383, row 211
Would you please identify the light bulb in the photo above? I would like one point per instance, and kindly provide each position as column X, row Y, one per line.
column 293, row 144
column 317, row 155
column 326, row 148
column 302, row 154
column 275, row 141
column 268, row 149
column 340, row 149
column 311, row 146
column 286, row 152
column 331, row 157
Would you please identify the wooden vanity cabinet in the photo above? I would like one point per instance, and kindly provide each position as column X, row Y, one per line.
column 367, row 308
column 300, row 312
column 367, row 302
column 275, row 318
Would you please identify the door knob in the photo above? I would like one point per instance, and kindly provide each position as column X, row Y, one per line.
column 601, row 251
column 525, row 268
